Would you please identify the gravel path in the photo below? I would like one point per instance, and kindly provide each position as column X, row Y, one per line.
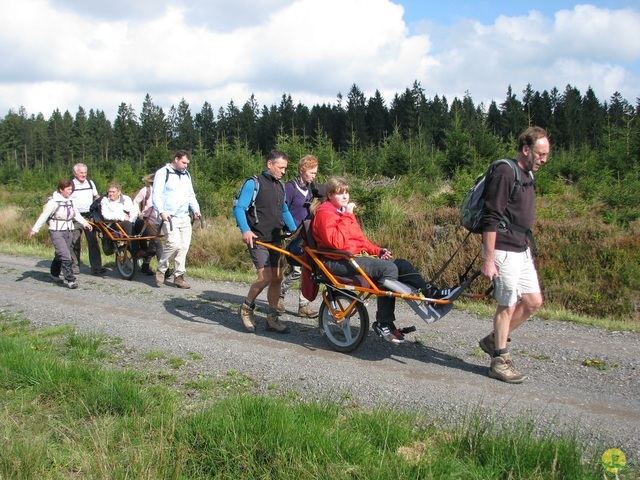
column 443, row 373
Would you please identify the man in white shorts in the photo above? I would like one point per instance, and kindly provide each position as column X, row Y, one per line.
column 507, row 257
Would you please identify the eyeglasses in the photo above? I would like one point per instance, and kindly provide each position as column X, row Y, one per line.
column 541, row 154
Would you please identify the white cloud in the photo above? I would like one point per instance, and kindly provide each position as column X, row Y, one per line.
column 66, row 53
column 545, row 52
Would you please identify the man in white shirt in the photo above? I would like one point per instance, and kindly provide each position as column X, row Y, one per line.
column 84, row 193
column 173, row 197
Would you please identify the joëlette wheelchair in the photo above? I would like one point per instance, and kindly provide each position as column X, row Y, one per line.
column 343, row 317
column 114, row 239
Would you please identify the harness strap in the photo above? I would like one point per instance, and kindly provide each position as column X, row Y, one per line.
column 506, row 225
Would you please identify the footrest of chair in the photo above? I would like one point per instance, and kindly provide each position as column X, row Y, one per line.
column 410, row 329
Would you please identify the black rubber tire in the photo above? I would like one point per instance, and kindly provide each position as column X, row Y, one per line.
column 350, row 333
column 125, row 262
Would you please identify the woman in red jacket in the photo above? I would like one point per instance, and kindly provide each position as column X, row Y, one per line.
column 336, row 227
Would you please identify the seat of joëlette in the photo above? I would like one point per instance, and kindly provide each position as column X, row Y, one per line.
column 355, row 280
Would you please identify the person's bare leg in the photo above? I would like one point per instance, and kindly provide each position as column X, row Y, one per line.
column 527, row 305
column 501, row 325
column 264, row 277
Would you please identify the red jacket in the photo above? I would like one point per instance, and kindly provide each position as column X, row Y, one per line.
column 338, row 230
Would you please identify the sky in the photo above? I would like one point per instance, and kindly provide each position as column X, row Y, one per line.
column 97, row 54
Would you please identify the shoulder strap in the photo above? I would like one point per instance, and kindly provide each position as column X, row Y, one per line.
column 516, row 172
column 256, row 190
column 172, row 171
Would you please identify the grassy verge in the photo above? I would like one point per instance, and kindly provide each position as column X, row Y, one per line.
column 73, row 408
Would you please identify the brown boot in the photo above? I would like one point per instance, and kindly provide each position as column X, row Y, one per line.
column 275, row 325
column 246, row 315
column 488, row 345
column 307, row 312
column 159, row 278
column 503, row 369
column 180, row 282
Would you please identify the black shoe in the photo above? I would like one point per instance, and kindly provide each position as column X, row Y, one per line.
column 98, row 271
column 388, row 332
column 146, row 269
column 169, row 273
column 450, row 293
column 431, row 291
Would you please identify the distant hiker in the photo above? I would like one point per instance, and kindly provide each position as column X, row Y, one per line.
column 59, row 214
column 83, row 195
column 173, row 197
column 148, row 216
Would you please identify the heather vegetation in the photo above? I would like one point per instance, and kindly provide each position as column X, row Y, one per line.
column 409, row 164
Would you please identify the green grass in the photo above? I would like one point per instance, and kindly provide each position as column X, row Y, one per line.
column 69, row 413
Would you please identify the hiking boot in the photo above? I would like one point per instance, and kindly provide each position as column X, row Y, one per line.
column 180, row 282
column 280, row 307
column 146, row 269
column 388, row 332
column 98, row 271
column 487, row 345
column 275, row 325
column 246, row 315
column 72, row 285
column 307, row 312
column 502, row 368
column 160, row 277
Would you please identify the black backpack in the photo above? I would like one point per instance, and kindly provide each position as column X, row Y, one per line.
column 95, row 210
column 472, row 207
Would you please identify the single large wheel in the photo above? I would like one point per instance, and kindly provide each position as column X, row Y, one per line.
column 348, row 334
column 125, row 262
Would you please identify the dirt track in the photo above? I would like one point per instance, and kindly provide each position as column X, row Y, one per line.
column 444, row 373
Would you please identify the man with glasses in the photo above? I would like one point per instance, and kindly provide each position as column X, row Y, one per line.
column 508, row 262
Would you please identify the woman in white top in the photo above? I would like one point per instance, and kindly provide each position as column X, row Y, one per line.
column 59, row 214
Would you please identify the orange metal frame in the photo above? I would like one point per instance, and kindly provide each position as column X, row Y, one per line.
column 361, row 293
